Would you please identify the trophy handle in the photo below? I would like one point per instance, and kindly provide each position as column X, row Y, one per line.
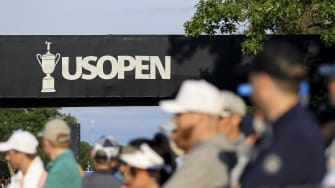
column 57, row 59
column 38, row 56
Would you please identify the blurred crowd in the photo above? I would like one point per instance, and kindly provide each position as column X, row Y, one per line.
column 212, row 140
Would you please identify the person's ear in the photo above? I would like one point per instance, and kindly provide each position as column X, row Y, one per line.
column 264, row 79
column 222, row 124
column 236, row 119
column 45, row 142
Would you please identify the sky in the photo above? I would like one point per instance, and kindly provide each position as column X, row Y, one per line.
column 123, row 123
column 100, row 17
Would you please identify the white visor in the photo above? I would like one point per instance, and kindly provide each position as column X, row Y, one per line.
column 144, row 158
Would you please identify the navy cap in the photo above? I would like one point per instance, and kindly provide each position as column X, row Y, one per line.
column 280, row 60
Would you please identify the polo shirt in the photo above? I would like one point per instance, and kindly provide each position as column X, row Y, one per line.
column 293, row 156
column 63, row 172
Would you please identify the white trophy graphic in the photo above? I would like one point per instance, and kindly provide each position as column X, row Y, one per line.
column 48, row 62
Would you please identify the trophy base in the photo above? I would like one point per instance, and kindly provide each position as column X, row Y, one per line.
column 48, row 85
column 46, row 90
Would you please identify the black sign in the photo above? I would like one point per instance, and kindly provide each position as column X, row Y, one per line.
column 118, row 70
column 75, row 139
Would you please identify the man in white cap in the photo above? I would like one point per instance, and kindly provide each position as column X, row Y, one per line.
column 104, row 156
column 230, row 125
column 232, row 116
column 21, row 150
column 197, row 109
column 63, row 170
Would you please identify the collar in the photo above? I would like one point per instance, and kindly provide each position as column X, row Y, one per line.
column 104, row 171
column 35, row 166
column 59, row 157
column 272, row 129
column 218, row 140
column 290, row 114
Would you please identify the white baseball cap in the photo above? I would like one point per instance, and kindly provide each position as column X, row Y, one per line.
column 144, row 158
column 22, row 141
column 233, row 104
column 108, row 145
column 195, row 96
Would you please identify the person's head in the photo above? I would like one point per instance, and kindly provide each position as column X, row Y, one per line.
column 104, row 153
column 21, row 149
column 232, row 115
column 148, row 162
column 275, row 74
column 56, row 137
column 196, row 110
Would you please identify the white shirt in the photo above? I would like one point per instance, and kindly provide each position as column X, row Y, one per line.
column 34, row 177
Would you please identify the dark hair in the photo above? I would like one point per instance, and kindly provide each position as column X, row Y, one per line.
column 160, row 144
column 136, row 143
column 281, row 61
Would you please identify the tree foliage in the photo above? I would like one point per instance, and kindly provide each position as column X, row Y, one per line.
column 84, row 153
column 30, row 119
column 256, row 18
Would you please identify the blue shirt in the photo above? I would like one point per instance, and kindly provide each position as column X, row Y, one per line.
column 294, row 154
column 101, row 179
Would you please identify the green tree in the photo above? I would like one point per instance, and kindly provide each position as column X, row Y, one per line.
column 255, row 19
column 30, row 119
column 84, row 153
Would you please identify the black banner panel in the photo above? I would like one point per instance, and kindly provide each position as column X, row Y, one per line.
column 118, row 70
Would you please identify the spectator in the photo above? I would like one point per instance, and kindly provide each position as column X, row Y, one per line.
column 104, row 157
column 149, row 163
column 293, row 155
column 230, row 125
column 63, row 170
column 326, row 116
column 21, row 150
column 196, row 110
column 232, row 116
column 326, row 112
column 163, row 142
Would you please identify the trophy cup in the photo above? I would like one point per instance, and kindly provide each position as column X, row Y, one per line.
column 48, row 62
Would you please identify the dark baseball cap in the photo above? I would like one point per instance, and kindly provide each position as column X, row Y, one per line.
column 281, row 60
